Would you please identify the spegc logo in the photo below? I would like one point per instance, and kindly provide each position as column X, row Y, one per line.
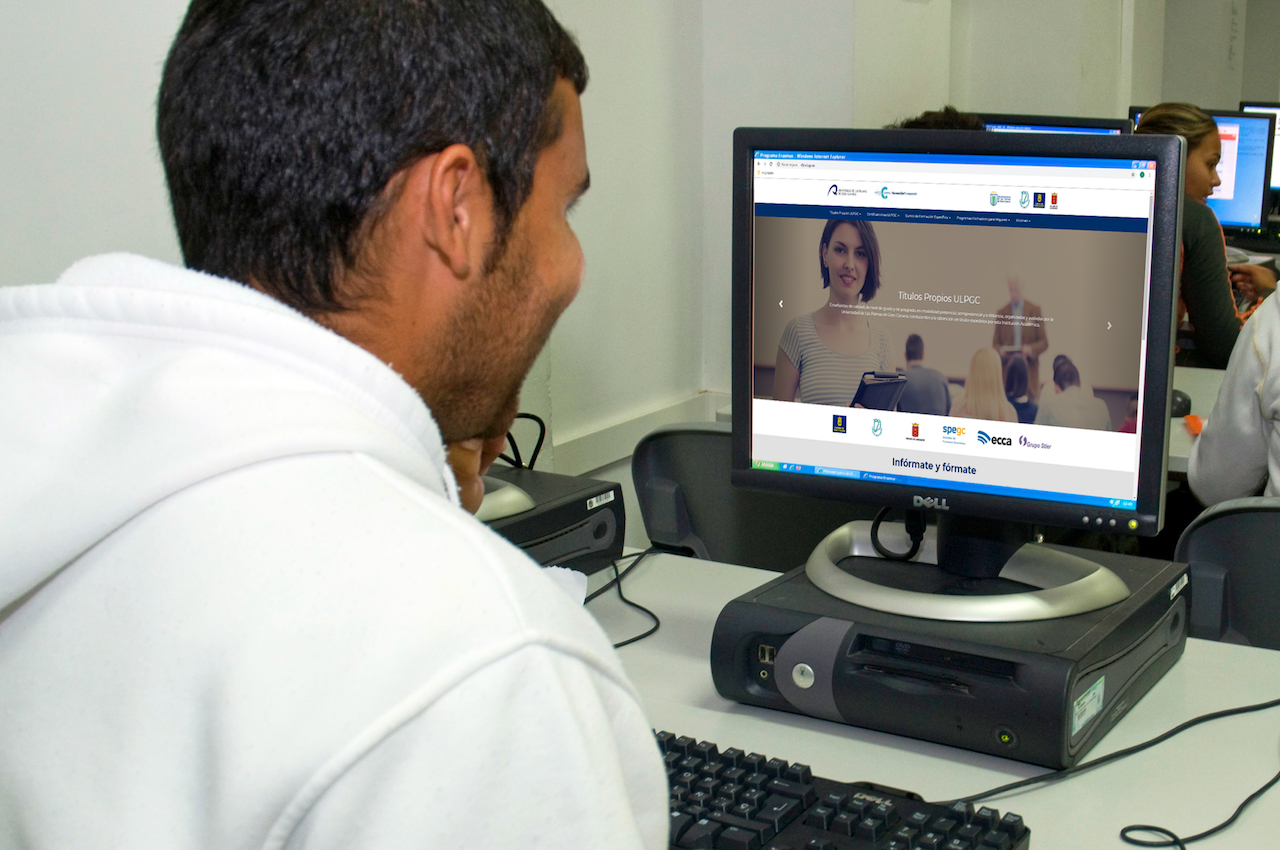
column 953, row 430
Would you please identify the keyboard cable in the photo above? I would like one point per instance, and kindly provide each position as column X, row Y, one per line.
column 616, row 582
column 1169, row 838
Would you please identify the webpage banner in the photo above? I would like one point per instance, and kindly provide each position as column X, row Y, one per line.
column 1059, row 464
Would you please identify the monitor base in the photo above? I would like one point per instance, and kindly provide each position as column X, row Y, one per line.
column 1061, row 584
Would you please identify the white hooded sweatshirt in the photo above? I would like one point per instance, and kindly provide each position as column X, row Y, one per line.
column 241, row 608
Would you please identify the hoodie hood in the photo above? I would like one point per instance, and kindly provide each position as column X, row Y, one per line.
column 130, row 379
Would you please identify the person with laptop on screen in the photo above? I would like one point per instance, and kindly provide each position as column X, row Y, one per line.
column 1206, row 299
column 240, row 602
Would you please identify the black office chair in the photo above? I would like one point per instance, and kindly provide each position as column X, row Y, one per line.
column 1233, row 549
column 681, row 474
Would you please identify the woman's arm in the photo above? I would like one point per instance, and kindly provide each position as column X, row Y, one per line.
column 786, row 378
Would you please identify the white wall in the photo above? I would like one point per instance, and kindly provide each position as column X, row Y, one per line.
column 1071, row 57
column 1261, row 77
column 78, row 160
column 1204, row 52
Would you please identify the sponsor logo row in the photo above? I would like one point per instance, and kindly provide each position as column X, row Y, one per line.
column 954, row 435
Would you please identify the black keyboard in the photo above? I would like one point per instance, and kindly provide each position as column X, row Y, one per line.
column 731, row 800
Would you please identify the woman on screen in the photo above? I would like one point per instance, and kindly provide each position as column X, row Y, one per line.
column 822, row 355
column 1206, row 300
column 983, row 396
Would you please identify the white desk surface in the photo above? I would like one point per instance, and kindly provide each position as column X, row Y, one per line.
column 1202, row 386
column 1186, row 784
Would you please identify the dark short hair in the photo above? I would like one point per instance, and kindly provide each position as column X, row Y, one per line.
column 281, row 123
column 867, row 233
column 946, row 118
column 1015, row 378
column 1066, row 375
column 915, row 347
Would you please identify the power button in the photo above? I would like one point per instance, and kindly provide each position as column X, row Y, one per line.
column 1006, row 737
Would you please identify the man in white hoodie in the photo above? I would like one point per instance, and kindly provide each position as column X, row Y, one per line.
column 240, row 603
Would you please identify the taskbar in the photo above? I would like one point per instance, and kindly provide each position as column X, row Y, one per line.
column 948, row 483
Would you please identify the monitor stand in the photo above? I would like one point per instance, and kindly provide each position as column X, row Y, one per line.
column 969, row 570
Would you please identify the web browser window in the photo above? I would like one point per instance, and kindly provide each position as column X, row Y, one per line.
column 949, row 285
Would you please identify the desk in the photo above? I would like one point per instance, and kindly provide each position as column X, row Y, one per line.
column 1187, row 784
column 1202, row 386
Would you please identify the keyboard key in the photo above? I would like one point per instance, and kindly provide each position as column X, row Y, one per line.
column 766, row 832
column 705, row 750
column 906, row 834
column 712, row 769
column 996, row 840
column 919, row 820
column 663, row 739
column 970, row 832
column 957, row 844
column 946, row 826
column 754, row 796
column 708, row 785
column 723, row 804
column 690, row 763
column 775, row 767
column 698, row 798
column 734, row 775
column 730, row 791
column 752, row 762
column 835, row 801
column 804, row 793
column 701, row 835
column 798, row 773
column 679, row 823
column 779, row 811
column 932, row 841
column 819, row 844
column 735, row 838
column 1013, row 825
column 757, row 780
column 732, row 757
column 870, row 829
column 986, row 817
column 687, row 779
column 744, row 810
column 961, row 812
column 819, row 817
column 886, row 813
column 845, row 823
column 681, row 745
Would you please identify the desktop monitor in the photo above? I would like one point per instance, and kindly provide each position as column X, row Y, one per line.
column 846, row 243
column 1055, row 124
column 1243, row 199
column 1271, row 109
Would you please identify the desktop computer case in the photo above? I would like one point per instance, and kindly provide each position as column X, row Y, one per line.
column 1042, row 692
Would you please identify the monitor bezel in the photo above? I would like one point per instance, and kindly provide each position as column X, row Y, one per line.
column 1125, row 126
column 1267, row 104
column 1169, row 154
column 1266, row 171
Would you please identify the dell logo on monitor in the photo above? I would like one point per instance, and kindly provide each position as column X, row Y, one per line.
column 930, row 502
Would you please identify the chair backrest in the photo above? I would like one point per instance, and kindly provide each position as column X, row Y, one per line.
column 681, row 474
column 1233, row 550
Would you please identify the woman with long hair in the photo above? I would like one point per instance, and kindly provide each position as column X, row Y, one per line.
column 822, row 355
column 983, row 396
column 1205, row 298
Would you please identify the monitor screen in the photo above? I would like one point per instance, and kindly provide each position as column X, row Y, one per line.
column 1055, row 124
column 966, row 264
column 1272, row 109
column 1241, row 201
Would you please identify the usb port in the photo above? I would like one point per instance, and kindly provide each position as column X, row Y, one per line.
column 766, row 654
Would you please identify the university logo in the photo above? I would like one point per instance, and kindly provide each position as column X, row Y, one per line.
column 876, row 428
column 994, row 197
column 1024, row 200
column 833, row 190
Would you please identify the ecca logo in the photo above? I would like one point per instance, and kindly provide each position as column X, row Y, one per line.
column 984, row 438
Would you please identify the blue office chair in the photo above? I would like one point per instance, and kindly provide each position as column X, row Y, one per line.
column 1233, row 549
column 681, row 475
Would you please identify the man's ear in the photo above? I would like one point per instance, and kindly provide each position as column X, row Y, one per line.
column 452, row 207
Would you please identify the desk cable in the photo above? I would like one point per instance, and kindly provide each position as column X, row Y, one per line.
column 1168, row 837
column 616, row 581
